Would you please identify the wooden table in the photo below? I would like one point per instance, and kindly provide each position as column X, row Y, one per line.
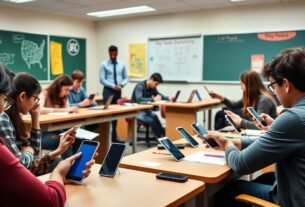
column 85, row 116
column 214, row 176
column 185, row 114
column 129, row 188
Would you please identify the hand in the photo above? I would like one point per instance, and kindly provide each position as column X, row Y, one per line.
column 73, row 109
column 221, row 141
column 27, row 149
column 86, row 102
column 66, row 141
column 267, row 119
column 35, row 111
column 157, row 98
column 236, row 118
column 118, row 88
column 216, row 95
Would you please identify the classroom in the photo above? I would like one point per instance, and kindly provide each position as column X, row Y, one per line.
column 174, row 22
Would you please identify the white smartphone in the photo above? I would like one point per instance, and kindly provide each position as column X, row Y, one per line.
column 252, row 111
column 88, row 149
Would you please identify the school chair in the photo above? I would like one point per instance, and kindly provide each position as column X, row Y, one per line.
column 140, row 124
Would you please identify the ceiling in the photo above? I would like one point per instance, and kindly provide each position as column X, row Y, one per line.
column 79, row 8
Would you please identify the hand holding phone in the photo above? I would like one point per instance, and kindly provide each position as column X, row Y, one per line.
column 201, row 131
column 255, row 115
column 91, row 96
column 233, row 124
column 172, row 177
column 75, row 128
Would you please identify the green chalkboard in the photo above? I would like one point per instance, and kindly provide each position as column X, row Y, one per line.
column 25, row 52
column 73, row 54
column 226, row 56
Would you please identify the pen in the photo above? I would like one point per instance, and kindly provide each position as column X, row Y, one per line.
column 212, row 155
column 161, row 153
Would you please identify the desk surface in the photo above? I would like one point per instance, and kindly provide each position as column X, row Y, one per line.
column 155, row 163
column 198, row 104
column 129, row 188
column 85, row 113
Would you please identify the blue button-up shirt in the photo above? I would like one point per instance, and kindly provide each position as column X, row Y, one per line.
column 107, row 74
column 75, row 97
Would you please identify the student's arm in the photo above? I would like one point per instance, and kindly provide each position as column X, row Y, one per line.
column 22, row 188
column 233, row 104
column 163, row 97
column 284, row 138
column 139, row 94
column 124, row 76
column 103, row 79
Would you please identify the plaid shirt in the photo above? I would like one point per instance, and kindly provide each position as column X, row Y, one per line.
column 7, row 131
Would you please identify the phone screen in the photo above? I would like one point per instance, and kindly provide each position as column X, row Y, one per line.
column 198, row 95
column 88, row 149
column 201, row 131
column 256, row 116
column 230, row 120
column 112, row 160
column 171, row 148
column 187, row 136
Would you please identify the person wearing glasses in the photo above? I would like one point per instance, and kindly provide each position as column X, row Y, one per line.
column 255, row 94
column 23, row 99
column 283, row 144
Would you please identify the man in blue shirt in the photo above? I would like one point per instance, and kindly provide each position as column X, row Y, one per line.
column 114, row 76
column 78, row 96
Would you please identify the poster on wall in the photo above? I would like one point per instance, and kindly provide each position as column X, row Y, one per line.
column 137, row 60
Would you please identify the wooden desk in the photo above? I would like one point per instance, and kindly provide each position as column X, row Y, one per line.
column 184, row 114
column 215, row 176
column 86, row 117
column 129, row 188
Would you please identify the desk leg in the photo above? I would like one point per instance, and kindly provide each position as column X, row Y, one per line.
column 175, row 117
column 132, row 133
column 105, row 140
column 210, row 119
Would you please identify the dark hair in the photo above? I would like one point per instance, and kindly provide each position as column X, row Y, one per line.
column 23, row 82
column 157, row 77
column 54, row 90
column 289, row 64
column 77, row 75
column 113, row 48
column 5, row 83
column 254, row 87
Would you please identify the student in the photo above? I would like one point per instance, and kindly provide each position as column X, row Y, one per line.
column 255, row 94
column 113, row 76
column 24, row 95
column 146, row 91
column 18, row 186
column 78, row 96
column 55, row 99
column 283, row 144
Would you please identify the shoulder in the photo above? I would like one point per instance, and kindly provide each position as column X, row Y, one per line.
column 4, row 118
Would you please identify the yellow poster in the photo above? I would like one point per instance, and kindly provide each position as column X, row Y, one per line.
column 137, row 60
column 56, row 58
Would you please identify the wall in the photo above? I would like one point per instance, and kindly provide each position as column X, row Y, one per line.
column 41, row 23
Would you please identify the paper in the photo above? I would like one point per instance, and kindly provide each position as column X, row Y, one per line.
column 56, row 58
column 84, row 134
column 58, row 113
column 217, row 158
column 129, row 104
column 149, row 164
column 252, row 132
column 137, row 60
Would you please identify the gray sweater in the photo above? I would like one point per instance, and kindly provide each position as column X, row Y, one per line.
column 283, row 144
column 264, row 105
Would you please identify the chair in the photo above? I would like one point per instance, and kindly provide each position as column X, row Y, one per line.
column 140, row 124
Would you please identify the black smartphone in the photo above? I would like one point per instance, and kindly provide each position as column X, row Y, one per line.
column 201, row 131
column 179, row 146
column 198, row 95
column 187, row 136
column 252, row 111
column 91, row 96
column 233, row 124
column 112, row 160
column 88, row 149
column 172, row 177
column 169, row 145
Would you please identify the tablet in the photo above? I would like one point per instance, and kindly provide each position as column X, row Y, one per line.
column 173, row 150
column 187, row 136
column 230, row 120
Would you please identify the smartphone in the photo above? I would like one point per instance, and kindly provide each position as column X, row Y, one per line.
column 75, row 128
column 91, row 96
column 187, row 136
column 198, row 95
column 201, row 131
column 112, row 160
column 230, row 120
column 174, row 151
column 179, row 146
column 252, row 111
column 207, row 90
column 88, row 149
column 172, row 177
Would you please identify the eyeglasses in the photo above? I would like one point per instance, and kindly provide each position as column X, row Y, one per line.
column 7, row 102
column 271, row 87
column 36, row 99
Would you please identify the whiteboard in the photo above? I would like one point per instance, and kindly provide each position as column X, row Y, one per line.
column 176, row 58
